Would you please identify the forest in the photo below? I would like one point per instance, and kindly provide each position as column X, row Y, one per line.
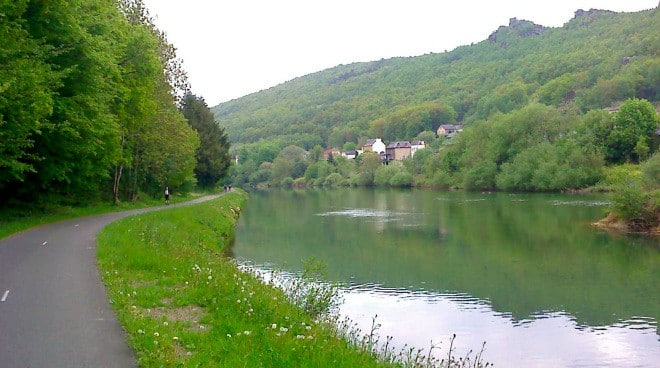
column 542, row 109
column 94, row 105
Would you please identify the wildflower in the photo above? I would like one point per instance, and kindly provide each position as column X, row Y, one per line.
column 210, row 277
column 238, row 301
column 300, row 337
column 175, row 338
column 156, row 334
column 229, row 336
column 310, row 337
column 273, row 326
column 284, row 329
column 166, row 323
column 140, row 331
column 246, row 332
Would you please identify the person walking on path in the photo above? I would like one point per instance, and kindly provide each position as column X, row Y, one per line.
column 167, row 195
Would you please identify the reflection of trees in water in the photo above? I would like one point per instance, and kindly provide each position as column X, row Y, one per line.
column 525, row 254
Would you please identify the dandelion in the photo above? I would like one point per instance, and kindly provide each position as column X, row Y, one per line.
column 247, row 332
column 238, row 301
column 283, row 329
column 175, row 338
column 156, row 334
column 166, row 323
column 141, row 331
column 273, row 326
column 308, row 328
column 210, row 277
column 229, row 336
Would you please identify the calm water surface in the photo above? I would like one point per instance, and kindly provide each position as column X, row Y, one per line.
column 525, row 273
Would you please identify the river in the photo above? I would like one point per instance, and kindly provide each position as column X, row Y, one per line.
column 524, row 273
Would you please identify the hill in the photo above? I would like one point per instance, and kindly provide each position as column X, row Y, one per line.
column 596, row 60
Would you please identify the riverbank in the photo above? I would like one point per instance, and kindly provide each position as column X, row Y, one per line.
column 183, row 304
column 613, row 223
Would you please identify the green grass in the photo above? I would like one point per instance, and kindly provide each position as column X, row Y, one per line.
column 184, row 303
column 13, row 220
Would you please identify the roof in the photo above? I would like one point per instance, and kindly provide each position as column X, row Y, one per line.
column 418, row 143
column 399, row 144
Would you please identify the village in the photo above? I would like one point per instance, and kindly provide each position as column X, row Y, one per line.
column 396, row 150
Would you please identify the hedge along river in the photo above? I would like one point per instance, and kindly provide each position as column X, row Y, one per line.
column 526, row 273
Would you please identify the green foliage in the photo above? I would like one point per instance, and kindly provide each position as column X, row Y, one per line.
column 596, row 59
column 385, row 173
column 86, row 104
column 334, row 180
column 401, row 179
column 634, row 126
column 523, row 87
column 651, row 171
column 213, row 154
column 629, row 199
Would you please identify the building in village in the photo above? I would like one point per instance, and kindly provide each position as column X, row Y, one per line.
column 374, row 145
column 416, row 146
column 334, row 152
column 351, row 155
column 449, row 130
column 398, row 150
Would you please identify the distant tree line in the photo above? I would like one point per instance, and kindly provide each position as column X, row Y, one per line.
column 93, row 104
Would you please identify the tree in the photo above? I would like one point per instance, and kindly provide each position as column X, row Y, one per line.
column 26, row 85
column 213, row 154
column 630, row 137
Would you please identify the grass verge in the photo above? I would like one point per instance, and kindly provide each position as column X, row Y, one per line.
column 13, row 220
column 184, row 304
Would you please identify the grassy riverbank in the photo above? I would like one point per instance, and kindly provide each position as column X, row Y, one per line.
column 183, row 304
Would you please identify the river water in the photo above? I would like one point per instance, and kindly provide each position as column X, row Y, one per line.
column 524, row 273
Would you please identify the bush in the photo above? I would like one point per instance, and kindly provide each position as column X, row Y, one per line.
column 651, row 171
column 333, row 180
column 629, row 199
column 384, row 174
column 287, row 182
column 402, row 179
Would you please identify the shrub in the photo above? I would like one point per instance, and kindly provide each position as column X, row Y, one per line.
column 401, row 179
column 333, row 180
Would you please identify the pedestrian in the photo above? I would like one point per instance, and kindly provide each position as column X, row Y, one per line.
column 167, row 195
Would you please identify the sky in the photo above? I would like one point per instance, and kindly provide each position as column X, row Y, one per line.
column 233, row 48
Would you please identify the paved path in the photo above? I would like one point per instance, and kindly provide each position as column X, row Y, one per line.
column 53, row 306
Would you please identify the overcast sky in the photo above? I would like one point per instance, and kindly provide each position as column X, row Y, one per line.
column 234, row 48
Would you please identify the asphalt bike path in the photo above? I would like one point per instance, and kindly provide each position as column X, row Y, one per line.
column 54, row 311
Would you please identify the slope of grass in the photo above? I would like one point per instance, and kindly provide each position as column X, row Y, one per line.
column 184, row 304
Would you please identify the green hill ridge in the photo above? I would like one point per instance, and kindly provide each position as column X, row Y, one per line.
column 595, row 60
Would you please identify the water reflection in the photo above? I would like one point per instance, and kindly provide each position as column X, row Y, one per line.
column 548, row 339
column 526, row 273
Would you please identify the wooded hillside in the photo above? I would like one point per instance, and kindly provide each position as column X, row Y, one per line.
column 598, row 59
column 542, row 109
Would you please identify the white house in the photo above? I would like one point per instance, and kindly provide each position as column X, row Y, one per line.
column 415, row 146
column 374, row 145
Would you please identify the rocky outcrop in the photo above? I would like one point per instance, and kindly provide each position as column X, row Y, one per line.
column 517, row 28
